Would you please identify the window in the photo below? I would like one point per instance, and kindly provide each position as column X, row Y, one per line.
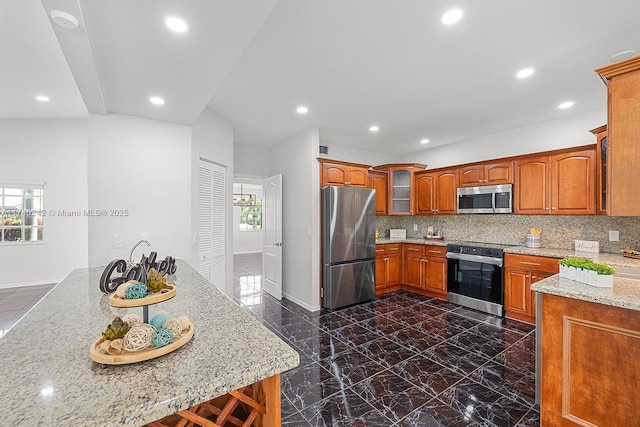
column 251, row 216
column 21, row 213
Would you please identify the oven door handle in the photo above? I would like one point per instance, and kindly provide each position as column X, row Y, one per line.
column 476, row 258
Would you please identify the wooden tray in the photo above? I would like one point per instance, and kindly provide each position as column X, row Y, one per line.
column 629, row 253
column 168, row 292
column 138, row 356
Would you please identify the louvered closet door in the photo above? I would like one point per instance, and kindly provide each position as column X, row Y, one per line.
column 211, row 221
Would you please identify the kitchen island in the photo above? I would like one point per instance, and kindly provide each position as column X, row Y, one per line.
column 588, row 341
column 49, row 378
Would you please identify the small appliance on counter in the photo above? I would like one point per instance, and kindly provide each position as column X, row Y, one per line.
column 398, row 234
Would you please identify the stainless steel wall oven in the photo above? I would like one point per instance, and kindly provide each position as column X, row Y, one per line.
column 475, row 277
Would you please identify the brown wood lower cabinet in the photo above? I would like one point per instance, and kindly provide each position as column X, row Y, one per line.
column 425, row 269
column 388, row 269
column 590, row 374
column 520, row 272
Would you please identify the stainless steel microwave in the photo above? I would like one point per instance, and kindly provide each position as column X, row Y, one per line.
column 485, row 199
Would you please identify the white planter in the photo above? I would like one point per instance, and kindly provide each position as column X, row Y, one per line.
column 589, row 277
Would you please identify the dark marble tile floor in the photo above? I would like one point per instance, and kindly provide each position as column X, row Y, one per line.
column 401, row 360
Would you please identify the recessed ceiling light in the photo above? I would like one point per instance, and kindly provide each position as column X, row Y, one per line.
column 424, row 141
column 451, row 17
column 156, row 100
column 524, row 73
column 374, row 128
column 622, row 55
column 302, row 109
column 176, row 24
column 42, row 98
column 566, row 104
column 64, row 19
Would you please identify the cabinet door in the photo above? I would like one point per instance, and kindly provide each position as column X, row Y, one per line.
column 381, row 272
column 573, row 183
column 333, row 174
column 532, row 180
column 413, row 269
column 471, row 176
column 498, row 173
column 446, row 192
column 357, row 177
column 393, row 269
column 601, row 169
column 378, row 181
column 535, row 277
column 436, row 276
column 400, row 189
column 517, row 293
column 424, row 194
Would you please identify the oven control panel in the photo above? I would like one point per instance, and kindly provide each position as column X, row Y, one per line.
column 475, row 250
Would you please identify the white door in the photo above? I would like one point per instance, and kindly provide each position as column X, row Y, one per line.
column 211, row 222
column 272, row 244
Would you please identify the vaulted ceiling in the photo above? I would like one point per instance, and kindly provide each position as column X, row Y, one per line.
column 353, row 63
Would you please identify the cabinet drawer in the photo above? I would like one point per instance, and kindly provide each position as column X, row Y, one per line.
column 387, row 248
column 410, row 248
column 533, row 263
column 437, row 251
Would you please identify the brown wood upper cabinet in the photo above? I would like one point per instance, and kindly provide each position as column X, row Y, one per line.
column 378, row 180
column 623, row 141
column 601, row 169
column 436, row 192
column 339, row 173
column 486, row 174
column 400, row 187
column 562, row 183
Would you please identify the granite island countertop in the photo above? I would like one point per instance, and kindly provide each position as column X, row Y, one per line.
column 624, row 294
column 49, row 378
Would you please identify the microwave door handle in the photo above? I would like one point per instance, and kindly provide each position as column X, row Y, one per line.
column 493, row 201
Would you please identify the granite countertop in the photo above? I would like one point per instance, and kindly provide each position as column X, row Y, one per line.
column 624, row 294
column 614, row 260
column 49, row 378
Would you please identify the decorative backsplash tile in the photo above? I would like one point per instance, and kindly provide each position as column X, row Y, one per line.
column 558, row 231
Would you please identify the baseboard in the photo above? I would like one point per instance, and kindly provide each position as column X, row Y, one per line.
column 300, row 303
column 40, row 282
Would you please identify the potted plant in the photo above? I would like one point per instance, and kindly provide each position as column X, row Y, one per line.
column 586, row 271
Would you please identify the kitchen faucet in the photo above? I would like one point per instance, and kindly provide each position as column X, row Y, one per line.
column 134, row 248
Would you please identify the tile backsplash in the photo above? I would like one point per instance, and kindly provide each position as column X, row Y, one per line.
column 558, row 231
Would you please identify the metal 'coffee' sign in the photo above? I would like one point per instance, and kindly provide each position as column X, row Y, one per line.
column 136, row 272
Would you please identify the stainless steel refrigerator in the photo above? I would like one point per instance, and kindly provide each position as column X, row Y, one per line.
column 348, row 246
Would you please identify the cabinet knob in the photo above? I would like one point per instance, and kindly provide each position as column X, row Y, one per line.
column 553, row 209
column 546, row 208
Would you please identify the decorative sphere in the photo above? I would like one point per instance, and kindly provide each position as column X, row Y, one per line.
column 158, row 320
column 136, row 291
column 162, row 337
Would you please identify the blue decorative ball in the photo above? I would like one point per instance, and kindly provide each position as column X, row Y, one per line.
column 135, row 291
column 158, row 320
column 163, row 337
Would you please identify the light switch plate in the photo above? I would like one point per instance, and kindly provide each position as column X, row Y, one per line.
column 614, row 236
column 587, row 246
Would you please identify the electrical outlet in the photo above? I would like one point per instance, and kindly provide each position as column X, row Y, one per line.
column 415, row 227
column 118, row 241
column 614, row 236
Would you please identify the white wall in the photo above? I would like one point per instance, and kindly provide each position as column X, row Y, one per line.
column 295, row 159
column 144, row 166
column 568, row 132
column 54, row 151
column 212, row 139
column 354, row 155
column 246, row 241
column 251, row 160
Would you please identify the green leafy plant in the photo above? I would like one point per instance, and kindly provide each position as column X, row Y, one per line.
column 587, row 264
